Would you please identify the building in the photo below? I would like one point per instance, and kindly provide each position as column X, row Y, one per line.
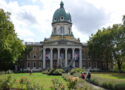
column 60, row 49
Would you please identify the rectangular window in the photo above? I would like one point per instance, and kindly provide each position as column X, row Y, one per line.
column 34, row 64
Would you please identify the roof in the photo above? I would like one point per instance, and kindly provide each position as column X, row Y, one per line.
column 60, row 15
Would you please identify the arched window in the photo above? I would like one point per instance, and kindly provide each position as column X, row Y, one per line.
column 62, row 30
column 55, row 19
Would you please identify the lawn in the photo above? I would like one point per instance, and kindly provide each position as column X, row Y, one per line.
column 42, row 79
column 110, row 75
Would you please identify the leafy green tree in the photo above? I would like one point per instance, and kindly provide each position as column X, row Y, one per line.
column 11, row 46
column 22, row 59
column 100, row 48
column 108, row 46
column 119, row 45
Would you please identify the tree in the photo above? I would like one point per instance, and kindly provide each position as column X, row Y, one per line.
column 22, row 59
column 119, row 45
column 108, row 45
column 100, row 48
column 123, row 19
column 11, row 46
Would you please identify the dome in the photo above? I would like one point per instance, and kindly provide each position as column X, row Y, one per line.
column 61, row 15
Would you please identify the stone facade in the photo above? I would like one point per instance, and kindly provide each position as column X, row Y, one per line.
column 60, row 49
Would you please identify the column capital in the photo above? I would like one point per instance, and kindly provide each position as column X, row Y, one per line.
column 51, row 48
column 44, row 48
column 73, row 48
column 80, row 48
column 65, row 48
column 58, row 48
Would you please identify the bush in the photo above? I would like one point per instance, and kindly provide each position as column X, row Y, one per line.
column 57, row 85
column 77, row 70
column 7, row 83
column 46, row 71
column 9, row 72
column 33, row 86
column 56, row 72
column 111, row 84
column 75, row 83
column 2, row 72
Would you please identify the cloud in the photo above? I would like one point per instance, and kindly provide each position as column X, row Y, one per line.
column 86, row 17
column 33, row 18
column 27, row 16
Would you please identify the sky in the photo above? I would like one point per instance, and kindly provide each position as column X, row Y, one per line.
column 32, row 18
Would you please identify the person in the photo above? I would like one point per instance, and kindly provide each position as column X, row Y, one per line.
column 83, row 75
column 89, row 76
column 30, row 71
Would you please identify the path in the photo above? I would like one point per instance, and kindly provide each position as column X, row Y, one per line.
column 96, row 87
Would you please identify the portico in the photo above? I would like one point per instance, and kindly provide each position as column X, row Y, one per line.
column 61, row 56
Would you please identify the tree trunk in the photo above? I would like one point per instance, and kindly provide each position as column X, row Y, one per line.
column 119, row 66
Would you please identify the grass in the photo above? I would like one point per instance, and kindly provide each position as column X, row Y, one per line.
column 110, row 75
column 42, row 79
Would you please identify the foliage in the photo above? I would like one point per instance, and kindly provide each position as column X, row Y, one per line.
column 108, row 83
column 36, row 80
column 56, row 72
column 108, row 46
column 77, row 70
column 33, row 86
column 46, row 71
column 6, row 72
column 57, row 85
column 11, row 46
column 7, row 83
column 75, row 83
column 22, row 59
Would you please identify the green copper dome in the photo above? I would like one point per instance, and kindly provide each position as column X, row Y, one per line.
column 61, row 15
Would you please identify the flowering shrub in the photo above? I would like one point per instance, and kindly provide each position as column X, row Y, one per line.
column 7, row 83
column 57, row 85
column 76, row 83
column 24, row 80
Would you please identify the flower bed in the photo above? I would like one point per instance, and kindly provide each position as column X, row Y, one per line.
column 76, row 83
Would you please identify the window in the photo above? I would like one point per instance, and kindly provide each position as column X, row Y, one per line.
column 34, row 64
column 40, row 64
column 69, row 30
column 62, row 30
column 28, row 64
column 55, row 30
column 62, row 18
column 54, row 18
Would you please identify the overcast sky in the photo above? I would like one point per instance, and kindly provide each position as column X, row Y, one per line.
column 33, row 18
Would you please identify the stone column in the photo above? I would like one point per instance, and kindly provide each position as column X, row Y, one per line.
column 65, row 57
column 58, row 56
column 44, row 50
column 73, row 49
column 80, row 57
column 51, row 58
